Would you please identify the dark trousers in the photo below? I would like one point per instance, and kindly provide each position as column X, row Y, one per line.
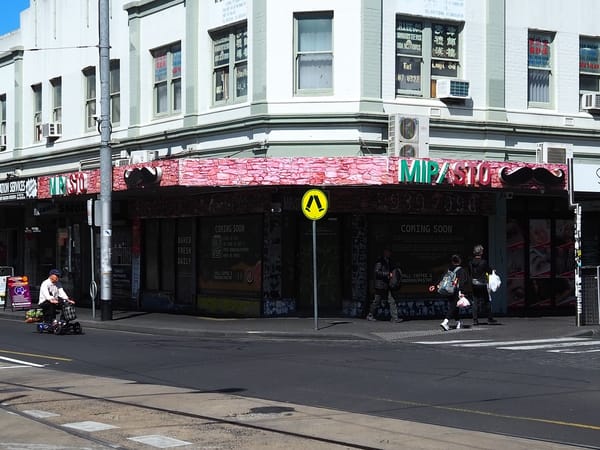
column 453, row 310
column 481, row 302
column 49, row 310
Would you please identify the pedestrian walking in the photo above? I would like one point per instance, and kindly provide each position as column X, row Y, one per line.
column 387, row 279
column 461, row 286
column 480, row 270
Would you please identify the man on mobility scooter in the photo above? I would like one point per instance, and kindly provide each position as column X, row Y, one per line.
column 51, row 295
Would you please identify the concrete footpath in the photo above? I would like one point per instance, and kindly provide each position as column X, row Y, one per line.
column 336, row 328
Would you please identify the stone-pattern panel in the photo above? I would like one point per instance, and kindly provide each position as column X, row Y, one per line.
column 324, row 171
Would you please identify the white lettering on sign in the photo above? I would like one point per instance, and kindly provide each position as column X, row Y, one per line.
column 460, row 173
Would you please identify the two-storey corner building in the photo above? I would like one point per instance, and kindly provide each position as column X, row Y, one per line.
column 431, row 127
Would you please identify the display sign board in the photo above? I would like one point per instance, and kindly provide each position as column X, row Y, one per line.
column 586, row 177
column 19, row 292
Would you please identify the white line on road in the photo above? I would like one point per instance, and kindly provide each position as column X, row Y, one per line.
column 554, row 345
column 532, row 341
column 22, row 363
column 458, row 341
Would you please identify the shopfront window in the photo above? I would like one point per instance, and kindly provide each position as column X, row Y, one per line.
column 231, row 260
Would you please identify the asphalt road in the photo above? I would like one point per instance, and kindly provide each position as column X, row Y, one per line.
column 538, row 394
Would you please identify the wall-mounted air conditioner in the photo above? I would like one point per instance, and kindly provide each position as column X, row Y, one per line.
column 2, row 142
column 408, row 136
column 590, row 102
column 142, row 156
column 52, row 130
column 452, row 89
column 121, row 162
column 553, row 153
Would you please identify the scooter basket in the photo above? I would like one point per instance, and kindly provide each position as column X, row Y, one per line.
column 69, row 312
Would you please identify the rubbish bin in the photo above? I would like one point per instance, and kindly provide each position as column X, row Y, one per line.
column 590, row 295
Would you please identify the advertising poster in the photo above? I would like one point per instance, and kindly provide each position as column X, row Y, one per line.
column 3, row 291
column 564, row 263
column 515, row 279
column 20, row 295
column 540, row 263
column 230, row 262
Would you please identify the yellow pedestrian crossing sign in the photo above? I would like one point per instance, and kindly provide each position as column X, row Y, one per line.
column 314, row 204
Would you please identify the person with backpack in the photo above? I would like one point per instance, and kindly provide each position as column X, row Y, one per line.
column 455, row 282
column 480, row 271
column 387, row 282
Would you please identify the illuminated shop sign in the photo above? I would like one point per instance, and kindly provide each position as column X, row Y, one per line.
column 459, row 173
column 74, row 184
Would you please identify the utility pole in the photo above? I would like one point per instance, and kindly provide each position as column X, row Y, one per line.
column 105, row 164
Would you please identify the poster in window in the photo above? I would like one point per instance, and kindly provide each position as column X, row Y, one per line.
column 515, row 277
column 539, row 248
column 539, row 52
column 230, row 256
column 408, row 74
column 409, row 38
column 589, row 56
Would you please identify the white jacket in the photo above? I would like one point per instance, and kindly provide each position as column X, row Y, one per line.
column 49, row 291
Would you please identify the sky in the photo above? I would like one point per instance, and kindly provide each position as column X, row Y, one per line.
column 9, row 14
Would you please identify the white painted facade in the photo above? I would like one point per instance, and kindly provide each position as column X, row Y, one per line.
column 65, row 35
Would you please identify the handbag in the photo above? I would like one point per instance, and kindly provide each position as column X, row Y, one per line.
column 494, row 281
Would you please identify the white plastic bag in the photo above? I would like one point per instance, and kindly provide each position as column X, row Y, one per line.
column 463, row 302
column 494, row 281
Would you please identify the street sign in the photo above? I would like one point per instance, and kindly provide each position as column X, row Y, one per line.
column 314, row 204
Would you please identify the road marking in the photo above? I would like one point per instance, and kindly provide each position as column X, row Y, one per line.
column 458, row 341
column 532, row 341
column 552, row 345
column 35, row 355
column 17, row 361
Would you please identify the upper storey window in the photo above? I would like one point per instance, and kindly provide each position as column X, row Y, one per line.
column 167, row 79
column 314, row 53
column 230, row 66
column 425, row 51
column 539, row 69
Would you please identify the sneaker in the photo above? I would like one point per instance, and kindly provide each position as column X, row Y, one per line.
column 475, row 322
column 458, row 325
column 444, row 325
column 371, row 318
column 398, row 320
column 490, row 320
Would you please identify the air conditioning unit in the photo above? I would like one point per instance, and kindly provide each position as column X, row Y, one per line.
column 142, row 156
column 408, row 136
column 121, row 162
column 52, row 130
column 2, row 141
column 590, row 102
column 452, row 89
column 553, row 153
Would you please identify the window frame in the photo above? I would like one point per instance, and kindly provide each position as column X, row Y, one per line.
column 90, row 95
column 425, row 56
column 539, row 36
column 115, row 91
column 172, row 81
column 231, row 73
column 299, row 53
column 56, row 84
column 37, row 111
column 2, row 114
column 590, row 63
